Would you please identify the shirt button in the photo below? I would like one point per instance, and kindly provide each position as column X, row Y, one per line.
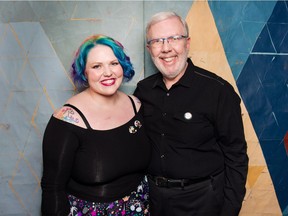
column 162, row 134
column 162, row 156
column 168, row 94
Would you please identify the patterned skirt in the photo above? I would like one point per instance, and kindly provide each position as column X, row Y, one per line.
column 136, row 204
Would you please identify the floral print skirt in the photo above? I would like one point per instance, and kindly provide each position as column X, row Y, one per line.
column 136, row 204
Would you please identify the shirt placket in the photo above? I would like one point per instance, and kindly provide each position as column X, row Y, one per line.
column 163, row 143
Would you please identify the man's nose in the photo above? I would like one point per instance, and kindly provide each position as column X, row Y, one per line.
column 166, row 47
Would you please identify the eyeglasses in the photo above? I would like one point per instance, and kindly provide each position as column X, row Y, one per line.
column 172, row 40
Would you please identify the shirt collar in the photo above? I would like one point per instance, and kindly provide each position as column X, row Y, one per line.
column 185, row 80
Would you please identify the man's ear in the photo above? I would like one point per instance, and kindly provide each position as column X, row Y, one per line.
column 148, row 48
column 188, row 43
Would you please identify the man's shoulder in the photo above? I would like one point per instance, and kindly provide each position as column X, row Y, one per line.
column 150, row 79
column 209, row 76
column 212, row 80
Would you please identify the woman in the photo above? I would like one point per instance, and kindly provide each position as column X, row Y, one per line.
column 95, row 151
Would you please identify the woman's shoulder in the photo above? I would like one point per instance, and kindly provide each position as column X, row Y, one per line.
column 70, row 113
column 136, row 101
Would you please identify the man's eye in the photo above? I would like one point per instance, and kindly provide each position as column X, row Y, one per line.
column 174, row 38
column 156, row 41
column 160, row 40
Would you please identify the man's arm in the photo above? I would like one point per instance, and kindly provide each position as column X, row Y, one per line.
column 232, row 141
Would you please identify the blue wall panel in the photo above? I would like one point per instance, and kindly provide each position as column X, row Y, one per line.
column 263, row 78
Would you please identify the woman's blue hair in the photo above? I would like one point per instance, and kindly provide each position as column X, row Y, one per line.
column 80, row 59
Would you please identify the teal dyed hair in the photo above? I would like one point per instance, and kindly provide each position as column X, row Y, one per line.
column 80, row 59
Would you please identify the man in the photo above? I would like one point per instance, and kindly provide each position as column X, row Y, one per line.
column 193, row 119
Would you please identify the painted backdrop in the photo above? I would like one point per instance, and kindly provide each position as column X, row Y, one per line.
column 245, row 42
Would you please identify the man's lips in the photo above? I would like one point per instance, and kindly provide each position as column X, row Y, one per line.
column 168, row 59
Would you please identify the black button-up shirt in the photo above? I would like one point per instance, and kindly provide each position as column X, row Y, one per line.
column 195, row 127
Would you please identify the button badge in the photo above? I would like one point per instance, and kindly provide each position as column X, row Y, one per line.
column 188, row 115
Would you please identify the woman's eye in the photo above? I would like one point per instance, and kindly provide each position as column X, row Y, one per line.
column 115, row 63
column 96, row 67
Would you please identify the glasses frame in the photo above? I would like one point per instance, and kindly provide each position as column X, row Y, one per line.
column 170, row 38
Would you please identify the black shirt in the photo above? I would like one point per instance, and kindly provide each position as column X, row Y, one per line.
column 195, row 127
column 94, row 165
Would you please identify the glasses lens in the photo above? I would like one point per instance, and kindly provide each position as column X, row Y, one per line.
column 173, row 40
column 156, row 42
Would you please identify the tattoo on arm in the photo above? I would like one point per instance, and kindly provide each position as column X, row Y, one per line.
column 67, row 114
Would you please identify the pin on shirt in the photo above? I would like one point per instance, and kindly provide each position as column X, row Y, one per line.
column 133, row 129
column 188, row 115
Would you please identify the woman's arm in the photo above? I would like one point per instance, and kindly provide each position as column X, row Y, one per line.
column 59, row 147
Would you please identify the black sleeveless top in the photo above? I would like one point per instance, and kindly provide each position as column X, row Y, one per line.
column 94, row 165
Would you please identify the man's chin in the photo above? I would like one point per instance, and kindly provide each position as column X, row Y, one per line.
column 170, row 76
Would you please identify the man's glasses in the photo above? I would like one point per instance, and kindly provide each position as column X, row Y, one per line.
column 172, row 40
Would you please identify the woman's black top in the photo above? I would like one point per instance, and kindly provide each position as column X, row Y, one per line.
column 94, row 165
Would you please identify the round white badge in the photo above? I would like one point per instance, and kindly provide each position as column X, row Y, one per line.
column 187, row 115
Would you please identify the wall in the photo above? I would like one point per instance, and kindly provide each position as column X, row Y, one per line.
column 243, row 41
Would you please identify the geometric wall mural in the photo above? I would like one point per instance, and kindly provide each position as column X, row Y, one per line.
column 261, row 73
column 31, row 84
column 223, row 35
column 246, row 42
column 265, row 73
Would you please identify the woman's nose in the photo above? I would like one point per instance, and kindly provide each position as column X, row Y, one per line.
column 107, row 71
